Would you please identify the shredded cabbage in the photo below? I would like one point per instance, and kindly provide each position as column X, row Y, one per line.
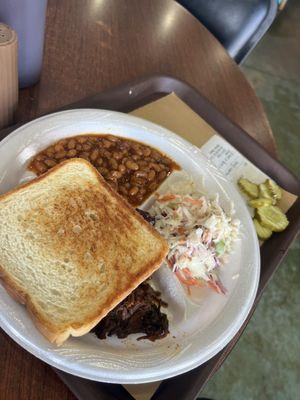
column 200, row 236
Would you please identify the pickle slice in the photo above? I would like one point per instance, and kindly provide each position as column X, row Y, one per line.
column 274, row 189
column 266, row 193
column 262, row 232
column 249, row 188
column 272, row 217
column 260, row 202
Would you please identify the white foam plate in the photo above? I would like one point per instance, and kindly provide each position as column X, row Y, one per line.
column 199, row 329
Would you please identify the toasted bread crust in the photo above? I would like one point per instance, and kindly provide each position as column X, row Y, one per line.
column 78, row 329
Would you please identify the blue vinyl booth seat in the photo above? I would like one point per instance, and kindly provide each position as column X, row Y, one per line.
column 237, row 24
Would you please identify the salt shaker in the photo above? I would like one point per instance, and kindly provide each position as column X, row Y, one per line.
column 8, row 74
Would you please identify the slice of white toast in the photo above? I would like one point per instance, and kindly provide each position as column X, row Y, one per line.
column 71, row 249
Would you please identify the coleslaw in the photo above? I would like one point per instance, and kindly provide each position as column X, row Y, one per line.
column 200, row 236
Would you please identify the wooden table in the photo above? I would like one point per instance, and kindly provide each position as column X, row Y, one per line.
column 92, row 45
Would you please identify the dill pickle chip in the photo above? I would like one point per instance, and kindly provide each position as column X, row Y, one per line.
column 260, row 202
column 262, row 232
column 247, row 187
column 266, row 193
column 274, row 189
column 272, row 217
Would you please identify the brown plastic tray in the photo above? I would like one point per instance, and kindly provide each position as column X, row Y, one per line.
column 135, row 94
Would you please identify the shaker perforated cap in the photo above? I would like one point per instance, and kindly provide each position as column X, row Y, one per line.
column 7, row 35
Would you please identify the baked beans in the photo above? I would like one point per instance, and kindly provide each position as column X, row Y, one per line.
column 133, row 169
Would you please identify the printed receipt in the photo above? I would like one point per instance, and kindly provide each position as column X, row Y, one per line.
column 229, row 161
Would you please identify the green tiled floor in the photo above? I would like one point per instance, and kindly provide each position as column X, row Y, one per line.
column 265, row 363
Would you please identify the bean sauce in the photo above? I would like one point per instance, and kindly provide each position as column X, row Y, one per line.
column 133, row 169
